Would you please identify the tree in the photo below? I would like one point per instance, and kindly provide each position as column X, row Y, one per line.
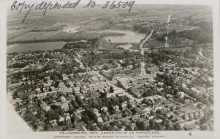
column 105, row 67
column 177, row 127
column 111, row 89
column 152, row 124
column 121, row 99
column 61, row 111
column 40, row 115
column 106, row 127
column 100, row 125
column 95, row 104
column 73, row 119
column 34, row 126
column 94, row 118
column 75, row 104
column 203, row 120
column 71, row 109
column 169, row 126
column 27, row 117
column 143, row 126
column 159, row 126
column 51, row 115
column 85, row 119
column 207, row 102
column 78, row 100
column 47, row 127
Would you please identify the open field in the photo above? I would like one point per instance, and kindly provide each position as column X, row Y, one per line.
column 35, row 36
column 117, row 27
column 61, row 35
column 34, row 46
column 154, row 43
column 15, row 33
column 185, row 27
column 94, row 25
column 49, row 28
column 135, row 47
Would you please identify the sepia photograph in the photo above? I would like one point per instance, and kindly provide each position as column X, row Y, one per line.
column 119, row 67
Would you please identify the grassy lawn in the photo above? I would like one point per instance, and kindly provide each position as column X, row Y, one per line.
column 35, row 36
column 135, row 47
column 154, row 43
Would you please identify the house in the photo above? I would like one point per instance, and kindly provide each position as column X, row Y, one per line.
column 104, row 109
column 116, row 107
column 44, row 106
column 68, row 119
column 196, row 114
column 78, row 116
column 53, row 123
column 169, row 114
column 40, row 126
column 201, row 113
column 123, row 83
column 70, row 84
column 181, row 94
column 37, row 90
column 65, row 107
column 186, row 117
column 189, row 126
column 158, row 120
column 186, row 70
column 127, row 113
column 97, row 112
column 100, row 119
column 22, row 107
column 96, row 128
column 114, row 117
column 139, row 111
column 124, row 106
column 105, row 118
column 159, row 97
column 180, row 120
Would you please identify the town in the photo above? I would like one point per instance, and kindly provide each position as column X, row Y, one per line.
column 92, row 84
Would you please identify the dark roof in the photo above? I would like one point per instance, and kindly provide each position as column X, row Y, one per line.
column 138, row 110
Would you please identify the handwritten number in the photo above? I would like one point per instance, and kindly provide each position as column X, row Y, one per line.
column 115, row 5
column 130, row 5
column 125, row 5
column 106, row 5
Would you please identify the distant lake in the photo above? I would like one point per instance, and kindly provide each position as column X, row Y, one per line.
column 129, row 37
column 71, row 29
column 34, row 46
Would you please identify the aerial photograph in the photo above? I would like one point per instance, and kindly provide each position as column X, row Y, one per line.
column 148, row 67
